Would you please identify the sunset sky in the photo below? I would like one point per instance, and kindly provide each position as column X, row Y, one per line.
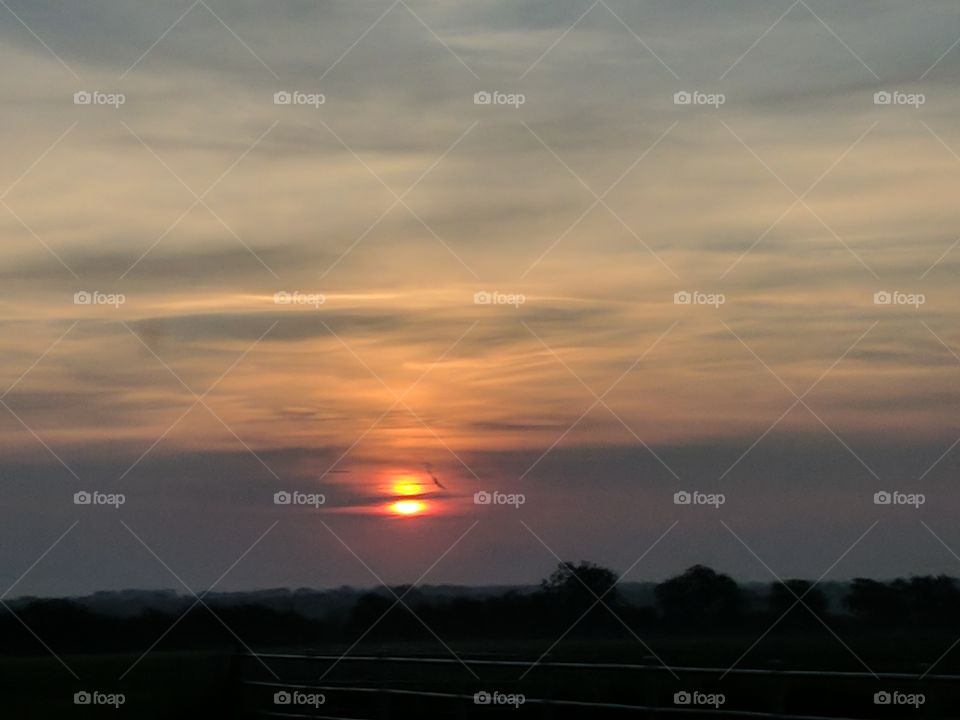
column 391, row 205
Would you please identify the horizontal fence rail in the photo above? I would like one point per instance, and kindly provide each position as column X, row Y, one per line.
column 651, row 710
column 718, row 712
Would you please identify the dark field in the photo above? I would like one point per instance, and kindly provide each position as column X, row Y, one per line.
column 784, row 650
column 223, row 683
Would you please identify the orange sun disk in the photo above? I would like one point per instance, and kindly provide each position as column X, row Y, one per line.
column 408, row 507
column 406, row 485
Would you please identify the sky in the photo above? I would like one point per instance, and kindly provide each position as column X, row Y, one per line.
column 389, row 282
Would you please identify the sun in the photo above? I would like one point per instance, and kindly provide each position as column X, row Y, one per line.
column 408, row 507
column 408, row 495
column 406, row 485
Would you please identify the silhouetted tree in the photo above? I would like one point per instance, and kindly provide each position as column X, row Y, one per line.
column 571, row 593
column 920, row 601
column 782, row 604
column 930, row 600
column 784, row 594
column 701, row 598
column 582, row 583
column 875, row 603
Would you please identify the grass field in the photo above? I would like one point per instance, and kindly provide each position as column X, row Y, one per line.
column 206, row 683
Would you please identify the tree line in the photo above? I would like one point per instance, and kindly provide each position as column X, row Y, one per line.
column 587, row 596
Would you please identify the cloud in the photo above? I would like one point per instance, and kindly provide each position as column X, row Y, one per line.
column 500, row 199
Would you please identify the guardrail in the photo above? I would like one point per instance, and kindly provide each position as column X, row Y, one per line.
column 460, row 703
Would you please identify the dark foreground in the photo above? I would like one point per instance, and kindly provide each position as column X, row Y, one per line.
column 819, row 678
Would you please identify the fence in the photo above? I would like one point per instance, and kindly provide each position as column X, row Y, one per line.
column 381, row 687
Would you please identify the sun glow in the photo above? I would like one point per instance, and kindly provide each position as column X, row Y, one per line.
column 408, row 507
column 406, row 485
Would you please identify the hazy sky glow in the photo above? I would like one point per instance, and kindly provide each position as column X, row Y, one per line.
column 396, row 201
